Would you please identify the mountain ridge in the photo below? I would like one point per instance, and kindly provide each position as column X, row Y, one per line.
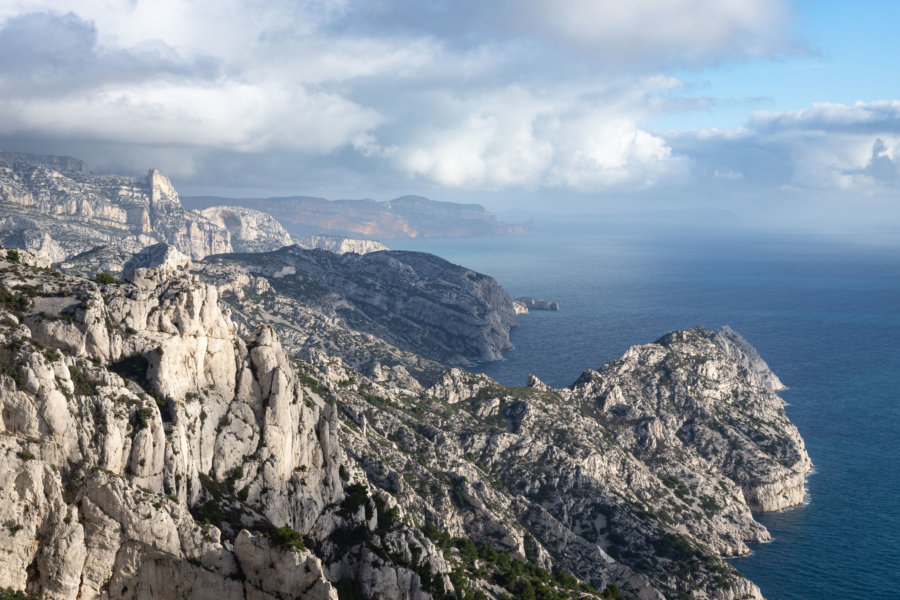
column 149, row 445
column 406, row 216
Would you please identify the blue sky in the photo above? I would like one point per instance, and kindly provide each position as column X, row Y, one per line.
column 849, row 54
column 777, row 111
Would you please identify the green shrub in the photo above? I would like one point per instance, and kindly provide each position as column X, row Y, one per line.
column 357, row 495
column 106, row 278
column 612, row 592
column 83, row 385
column 386, row 516
column 15, row 303
column 9, row 364
column 287, row 538
column 12, row 255
column 11, row 594
column 208, row 512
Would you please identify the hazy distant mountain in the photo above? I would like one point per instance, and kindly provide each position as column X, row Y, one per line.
column 408, row 216
column 56, row 207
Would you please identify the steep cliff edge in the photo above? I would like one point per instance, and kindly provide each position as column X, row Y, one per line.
column 340, row 244
column 142, row 440
column 152, row 450
column 416, row 302
column 56, row 207
column 408, row 216
column 251, row 230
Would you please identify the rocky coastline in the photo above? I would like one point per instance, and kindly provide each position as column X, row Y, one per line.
column 155, row 447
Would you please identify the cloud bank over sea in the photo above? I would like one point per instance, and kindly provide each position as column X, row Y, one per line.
column 506, row 102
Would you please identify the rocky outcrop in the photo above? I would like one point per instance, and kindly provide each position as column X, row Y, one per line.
column 708, row 395
column 162, row 257
column 56, row 207
column 641, row 473
column 110, row 258
column 523, row 305
column 141, row 436
column 251, row 230
column 416, row 302
column 305, row 331
column 153, row 447
column 340, row 245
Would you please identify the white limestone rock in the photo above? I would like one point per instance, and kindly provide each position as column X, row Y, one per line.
column 340, row 245
column 251, row 230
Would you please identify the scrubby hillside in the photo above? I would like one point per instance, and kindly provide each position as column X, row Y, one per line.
column 150, row 449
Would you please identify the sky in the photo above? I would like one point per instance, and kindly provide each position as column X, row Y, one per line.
column 774, row 111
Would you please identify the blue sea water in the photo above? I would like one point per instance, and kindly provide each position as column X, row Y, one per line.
column 824, row 315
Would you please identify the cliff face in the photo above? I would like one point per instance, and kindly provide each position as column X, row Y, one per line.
column 340, row 245
column 642, row 473
column 140, row 436
column 409, row 216
column 415, row 302
column 251, row 230
column 56, row 207
column 153, row 448
column 680, row 394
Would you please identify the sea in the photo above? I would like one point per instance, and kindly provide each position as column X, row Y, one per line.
column 823, row 313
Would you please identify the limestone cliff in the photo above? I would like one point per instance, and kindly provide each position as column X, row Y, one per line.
column 143, row 441
column 416, row 302
column 340, row 244
column 152, row 448
column 251, row 230
column 408, row 216
column 56, row 207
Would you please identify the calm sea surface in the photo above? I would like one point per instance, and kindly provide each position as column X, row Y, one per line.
column 826, row 318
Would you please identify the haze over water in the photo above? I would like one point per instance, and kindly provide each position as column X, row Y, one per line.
column 824, row 315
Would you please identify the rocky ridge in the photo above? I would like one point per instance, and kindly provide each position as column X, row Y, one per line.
column 143, row 439
column 340, row 245
column 56, row 207
column 251, row 230
column 151, row 450
column 415, row 302
column 408, row 216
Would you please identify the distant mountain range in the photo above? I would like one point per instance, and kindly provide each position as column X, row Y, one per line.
column 56, row 207
column 408, row 216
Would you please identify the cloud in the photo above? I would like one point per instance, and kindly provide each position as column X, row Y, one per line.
column 652, row 34
column 664, row 33
column 467, row 95
column 57, row 79
column 824, row 148
column 50, row 54
column 854, row 118
column 567, row 138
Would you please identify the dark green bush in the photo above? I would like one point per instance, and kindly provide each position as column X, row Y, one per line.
column 287, row 537
column 106, row 278
column 15, row 303
column 357, row 495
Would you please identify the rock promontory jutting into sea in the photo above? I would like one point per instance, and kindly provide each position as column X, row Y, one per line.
column 289, row 423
